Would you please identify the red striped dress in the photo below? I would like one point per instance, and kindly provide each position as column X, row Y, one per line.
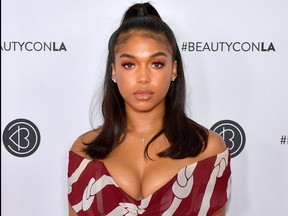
column 198, row 189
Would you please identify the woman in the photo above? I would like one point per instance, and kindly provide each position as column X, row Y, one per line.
column 148, row 157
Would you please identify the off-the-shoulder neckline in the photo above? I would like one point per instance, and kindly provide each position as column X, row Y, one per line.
column 226, row 151
column 207, row 158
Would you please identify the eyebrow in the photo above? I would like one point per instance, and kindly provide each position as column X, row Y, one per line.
column 125, row 55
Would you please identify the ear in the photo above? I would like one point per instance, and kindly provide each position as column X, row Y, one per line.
column 113, row 70
column 174, row 70
column 113, row 75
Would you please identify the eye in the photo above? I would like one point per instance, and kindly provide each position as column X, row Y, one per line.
column 158, row 64
column 128, row 65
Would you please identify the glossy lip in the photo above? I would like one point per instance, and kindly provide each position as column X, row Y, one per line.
column 143, row 94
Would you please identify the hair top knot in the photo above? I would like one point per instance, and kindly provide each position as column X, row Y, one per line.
column 140, row 10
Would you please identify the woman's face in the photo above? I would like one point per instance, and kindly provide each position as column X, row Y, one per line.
column 143, row 71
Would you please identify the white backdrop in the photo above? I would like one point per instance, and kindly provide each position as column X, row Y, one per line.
column 53, row 88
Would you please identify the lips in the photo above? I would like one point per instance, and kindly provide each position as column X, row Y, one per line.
column 143, row 94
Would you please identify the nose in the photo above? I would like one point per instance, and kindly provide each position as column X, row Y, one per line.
column 143, row 75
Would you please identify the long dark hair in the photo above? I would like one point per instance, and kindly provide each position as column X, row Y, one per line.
column 187, row 138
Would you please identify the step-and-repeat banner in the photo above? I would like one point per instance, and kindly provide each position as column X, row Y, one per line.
column 53, row 56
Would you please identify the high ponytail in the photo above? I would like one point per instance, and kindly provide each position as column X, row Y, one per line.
column 187, row 138
column 139, row 9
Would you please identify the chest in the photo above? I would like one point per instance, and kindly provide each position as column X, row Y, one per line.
column 200, row 186
column 138, row 176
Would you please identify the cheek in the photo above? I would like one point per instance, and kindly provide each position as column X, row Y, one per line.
column 166, row 85
column 163, row 79
column 124, row 85
column 162, row 84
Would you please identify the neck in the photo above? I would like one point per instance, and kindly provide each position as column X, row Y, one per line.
column 144, row 123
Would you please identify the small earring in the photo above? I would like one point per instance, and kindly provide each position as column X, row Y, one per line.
column 113, row 79
column 174, row 78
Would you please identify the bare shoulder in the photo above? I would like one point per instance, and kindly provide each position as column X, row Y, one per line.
column 215, row 144
column 79, row 146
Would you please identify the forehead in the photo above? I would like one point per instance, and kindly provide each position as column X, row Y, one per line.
column 137, row 39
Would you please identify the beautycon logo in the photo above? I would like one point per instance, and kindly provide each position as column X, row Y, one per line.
column 21, row 137
column 30, row 46
column 233, row 135
column 222, row 46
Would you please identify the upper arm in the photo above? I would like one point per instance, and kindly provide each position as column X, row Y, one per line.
column 220, row 212
column 71, row 211
column 215, row 146
column 78, row 147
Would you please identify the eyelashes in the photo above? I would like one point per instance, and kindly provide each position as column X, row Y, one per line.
column 128, row 65
column 154, row 64
column 158, row 64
